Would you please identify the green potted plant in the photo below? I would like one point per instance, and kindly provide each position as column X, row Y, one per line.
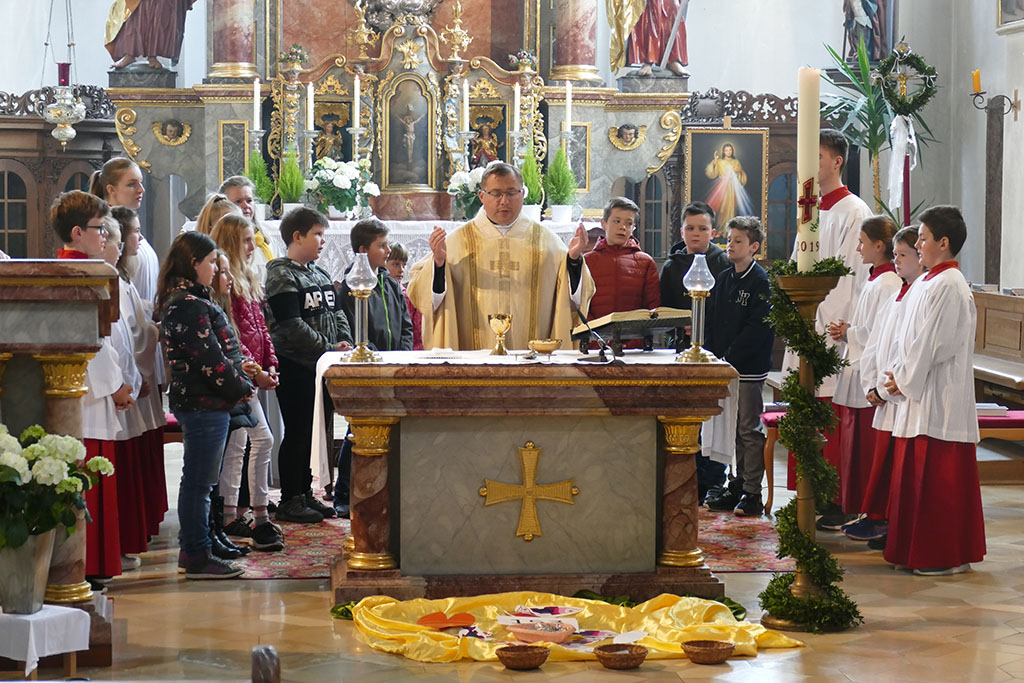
column 560, row 188
column 534, row 190
column 290, row 183
column 264, row 186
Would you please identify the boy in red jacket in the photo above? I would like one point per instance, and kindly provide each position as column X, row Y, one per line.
column 626, row 278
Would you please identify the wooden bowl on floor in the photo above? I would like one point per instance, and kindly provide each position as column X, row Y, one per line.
column 522, row 657
column 708, row 651
column 622, row 656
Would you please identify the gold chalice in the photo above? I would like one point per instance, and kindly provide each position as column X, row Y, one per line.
column 545, row 347
column 500, row 324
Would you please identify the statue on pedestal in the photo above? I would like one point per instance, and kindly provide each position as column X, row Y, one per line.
column 146, row 28
column 866, row 19
column 642, row 33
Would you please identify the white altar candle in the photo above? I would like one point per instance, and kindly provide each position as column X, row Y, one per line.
column 355, row 102
column 256, row 104
column 808, row 121
column 568, row 105
column 309, row 106
column 515, row 108
column 465, row 104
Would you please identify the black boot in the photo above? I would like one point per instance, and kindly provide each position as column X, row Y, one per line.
column 217, row 529
column 218, row 549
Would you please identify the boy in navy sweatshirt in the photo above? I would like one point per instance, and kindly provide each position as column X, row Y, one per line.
column 739, row 333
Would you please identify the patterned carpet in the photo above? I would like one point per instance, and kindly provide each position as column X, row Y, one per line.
column 740, row 544
column 730, row 544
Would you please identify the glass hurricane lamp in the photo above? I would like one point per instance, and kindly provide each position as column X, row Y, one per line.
column 699, row 282
column 361, row 280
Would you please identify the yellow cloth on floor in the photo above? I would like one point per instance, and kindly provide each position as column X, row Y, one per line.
column 390, row 625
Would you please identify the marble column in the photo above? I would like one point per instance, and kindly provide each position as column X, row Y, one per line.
column 64, row 381
column 232, row 32
column 575, row 55
column 64, row 386
column 679, row 493
column 369, row 497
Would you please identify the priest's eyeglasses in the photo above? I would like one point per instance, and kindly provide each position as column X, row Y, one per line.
column 508, row 196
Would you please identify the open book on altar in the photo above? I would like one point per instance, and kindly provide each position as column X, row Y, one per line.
column 666, row 316
column 639, row 324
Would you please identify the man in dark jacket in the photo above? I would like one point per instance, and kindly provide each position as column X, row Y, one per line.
column 697, row 231
column 739, row 333
column 306, row 320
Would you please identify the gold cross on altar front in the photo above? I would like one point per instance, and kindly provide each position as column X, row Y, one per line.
column 529, row 492
column 504, row 265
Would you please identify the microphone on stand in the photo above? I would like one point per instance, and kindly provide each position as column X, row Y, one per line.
column 602, row 357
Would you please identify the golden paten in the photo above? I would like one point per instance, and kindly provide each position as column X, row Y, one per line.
column 529, row 492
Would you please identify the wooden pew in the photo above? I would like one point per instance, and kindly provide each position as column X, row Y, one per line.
column 999, row 349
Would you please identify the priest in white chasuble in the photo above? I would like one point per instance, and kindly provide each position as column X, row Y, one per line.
column 500, row 262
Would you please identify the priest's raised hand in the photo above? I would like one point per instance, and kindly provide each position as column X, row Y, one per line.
column 578, row 241
column 439, row 246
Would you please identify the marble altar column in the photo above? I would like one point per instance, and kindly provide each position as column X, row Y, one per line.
column 575, row 56
column 369, row 497
column 233, row 35
column 679, row 493
column 64, row 378
column 64, row 386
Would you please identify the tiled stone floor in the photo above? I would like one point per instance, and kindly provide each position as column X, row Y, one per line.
column 964, row 628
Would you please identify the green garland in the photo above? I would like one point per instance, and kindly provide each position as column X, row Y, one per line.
column 800, row 430
column 902, row 104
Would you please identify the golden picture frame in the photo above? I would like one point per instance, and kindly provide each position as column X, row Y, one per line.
column 734, row 182
column 1009, row 16
column 408, row 104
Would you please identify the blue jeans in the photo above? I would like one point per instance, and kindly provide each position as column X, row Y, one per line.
column 204, row 435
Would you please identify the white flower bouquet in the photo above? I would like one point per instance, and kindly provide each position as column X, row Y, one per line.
column 341, row 184
column 42, row 479
column 465, row 186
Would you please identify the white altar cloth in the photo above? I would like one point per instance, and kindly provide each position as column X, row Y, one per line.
column 52, row 630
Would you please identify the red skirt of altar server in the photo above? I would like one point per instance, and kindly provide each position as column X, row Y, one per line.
column 103, row 535
column 830, row 450
column 935, row 515
column 876, row 495
column 130, row 497
column 154, row 481
column 856, row 455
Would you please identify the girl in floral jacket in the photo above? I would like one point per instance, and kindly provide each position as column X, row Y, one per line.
column 235, row 235
column 207, row 380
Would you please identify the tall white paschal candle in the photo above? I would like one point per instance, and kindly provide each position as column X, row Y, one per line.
column 568, row 105
column 256, row 99
column 808, row 122
column 465, row 104
column 356, row 104
column 309, row 106
column 515, row 107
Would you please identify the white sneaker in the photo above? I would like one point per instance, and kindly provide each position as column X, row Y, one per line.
column 129, row 562
column 942, row 571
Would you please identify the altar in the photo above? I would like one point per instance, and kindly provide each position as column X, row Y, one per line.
column 476, row 474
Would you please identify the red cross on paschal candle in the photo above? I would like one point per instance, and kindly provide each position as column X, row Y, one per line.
column 807, row 201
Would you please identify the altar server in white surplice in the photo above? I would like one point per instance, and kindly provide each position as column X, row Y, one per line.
column 500, row 262
column 840, row 214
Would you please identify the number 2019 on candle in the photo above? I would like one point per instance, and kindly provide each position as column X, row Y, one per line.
column 806, row 245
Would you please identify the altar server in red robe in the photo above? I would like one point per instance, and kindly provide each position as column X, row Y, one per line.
column 857, row 438
column 936, row 526
column 78, row 220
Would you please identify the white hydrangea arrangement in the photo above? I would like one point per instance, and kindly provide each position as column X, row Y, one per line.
column 42, row 479
column 465, row 186
column 342, row 184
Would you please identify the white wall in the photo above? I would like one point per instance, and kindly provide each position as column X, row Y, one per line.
column 23, row 27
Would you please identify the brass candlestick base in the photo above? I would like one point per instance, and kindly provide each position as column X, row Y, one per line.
column 500, row 324
column 696, row 354
column 362, row 354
